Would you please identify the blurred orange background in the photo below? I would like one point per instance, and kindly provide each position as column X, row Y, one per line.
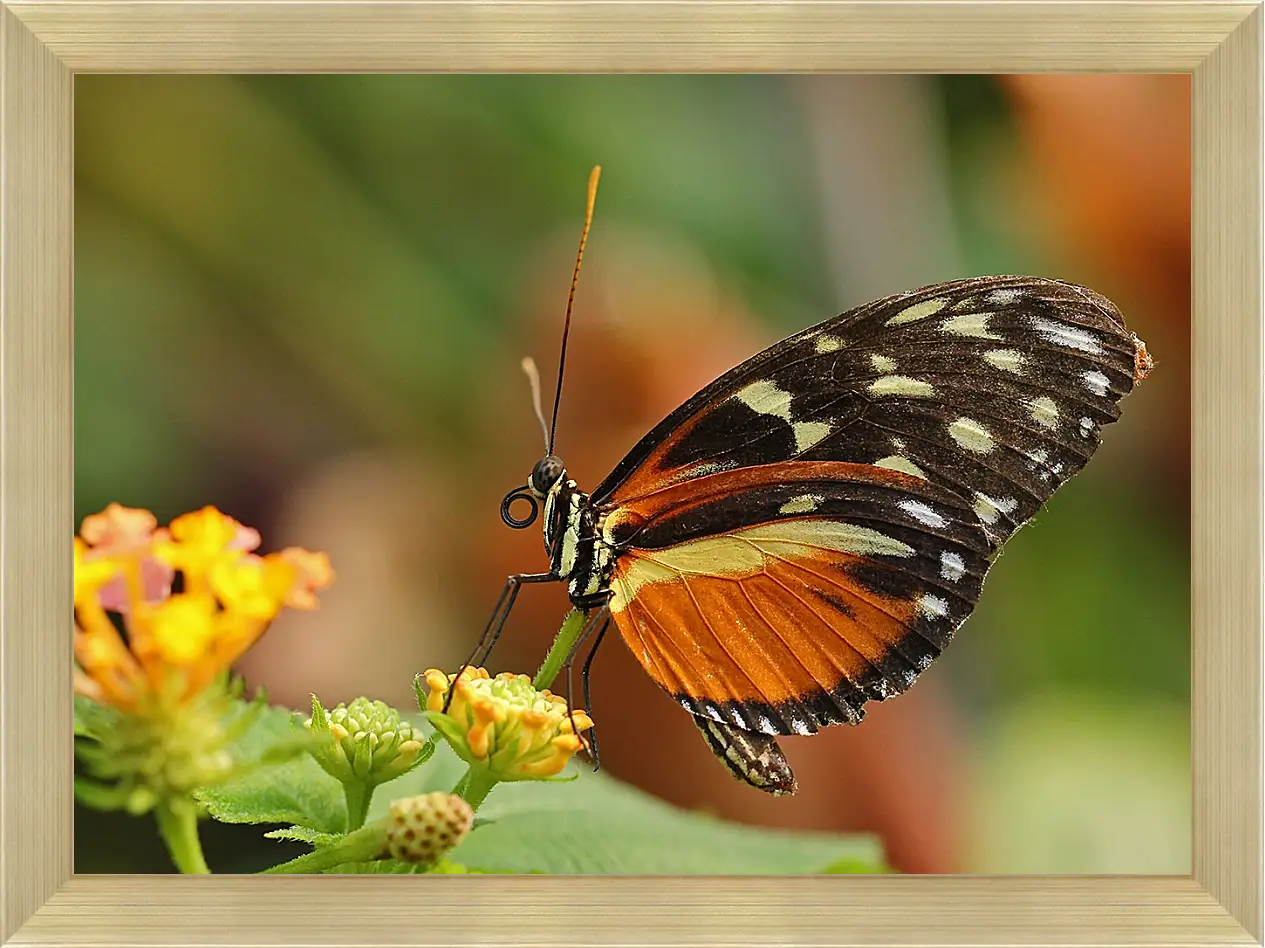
column 304, row 300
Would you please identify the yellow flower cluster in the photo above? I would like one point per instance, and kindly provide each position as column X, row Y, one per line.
column 176, row 643
column 504, row 724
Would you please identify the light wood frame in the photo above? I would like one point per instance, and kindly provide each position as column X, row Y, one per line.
column 44, row 43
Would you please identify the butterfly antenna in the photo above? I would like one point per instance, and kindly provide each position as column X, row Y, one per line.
column 533, row 379
column 575, row 276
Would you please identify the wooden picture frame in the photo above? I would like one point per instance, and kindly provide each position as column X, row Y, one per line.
column 44, row 43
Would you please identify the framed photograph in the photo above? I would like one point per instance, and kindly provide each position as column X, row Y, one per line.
column 270, row 272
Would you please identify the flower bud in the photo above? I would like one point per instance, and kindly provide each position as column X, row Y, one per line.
column 421, row 829
column 364, row 741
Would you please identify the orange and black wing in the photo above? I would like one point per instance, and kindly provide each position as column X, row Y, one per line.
column 995, row 388
column 780, row 598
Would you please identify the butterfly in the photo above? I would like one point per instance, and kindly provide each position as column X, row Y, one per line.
column 806, row 534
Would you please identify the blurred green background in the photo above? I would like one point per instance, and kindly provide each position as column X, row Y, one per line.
column 304, row 300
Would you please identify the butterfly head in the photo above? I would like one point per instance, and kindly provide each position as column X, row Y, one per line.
column 546, row 478
column 548, row 471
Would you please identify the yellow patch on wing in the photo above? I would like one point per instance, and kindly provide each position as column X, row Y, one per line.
column 747, row 552
column 1008, row 360
column 971, row 435
column 804, row 503
column 1044, row 412
column 827, row 343
column 969, row 324
column 918, row 311
column 901, row 385
column 897, row 462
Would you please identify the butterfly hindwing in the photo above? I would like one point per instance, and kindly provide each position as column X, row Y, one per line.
column 780, row 598
column 995, row 388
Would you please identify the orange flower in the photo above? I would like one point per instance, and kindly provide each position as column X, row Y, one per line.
column 176, row 643
column 503, row 724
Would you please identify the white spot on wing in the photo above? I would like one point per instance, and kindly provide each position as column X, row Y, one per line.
column 1004, row 295
column 1096, row 382
column 901, row 385
column 882, row 363
column 952, row 567
column 1008, row 360
column 1044, row 412
column 800, row 726
column 1070, row 336
column 971, row 435
column 918, row 311
column 1038, row 459
column 969, row 324
column 897, row 462
column 923, row 513
column 1087, row 427
column 933, row 606
column 990, row 509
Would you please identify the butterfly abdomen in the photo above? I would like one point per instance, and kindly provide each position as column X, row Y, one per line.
column 755, row 759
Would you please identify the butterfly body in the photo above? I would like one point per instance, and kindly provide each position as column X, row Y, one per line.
column 806, row 533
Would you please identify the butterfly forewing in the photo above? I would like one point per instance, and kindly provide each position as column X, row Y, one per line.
column 781, row 598
column 995, row 388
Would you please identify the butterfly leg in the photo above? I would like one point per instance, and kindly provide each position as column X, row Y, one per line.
column 584, row 685
column 496, row 622
column 600, row 621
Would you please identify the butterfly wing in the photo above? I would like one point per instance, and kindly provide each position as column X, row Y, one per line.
column 780, row 598
column 995, row 388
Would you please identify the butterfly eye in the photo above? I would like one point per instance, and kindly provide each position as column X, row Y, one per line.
column 546, row 473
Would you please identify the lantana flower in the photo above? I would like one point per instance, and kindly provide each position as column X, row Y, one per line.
column 158, row 659
column 176, row 643
column 503, row 725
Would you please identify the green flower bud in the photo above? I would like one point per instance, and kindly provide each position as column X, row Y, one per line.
column 421, row 829
column 365, row 741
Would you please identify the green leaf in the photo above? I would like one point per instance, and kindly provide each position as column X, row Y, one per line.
column 303, row 834
column 297, row 791
column 598, row 825
column 595, row 824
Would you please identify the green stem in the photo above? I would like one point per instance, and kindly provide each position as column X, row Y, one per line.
column 365, row 844
column 475, row 786
column 358, row 795
column 567, row 636
column 178, row 824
